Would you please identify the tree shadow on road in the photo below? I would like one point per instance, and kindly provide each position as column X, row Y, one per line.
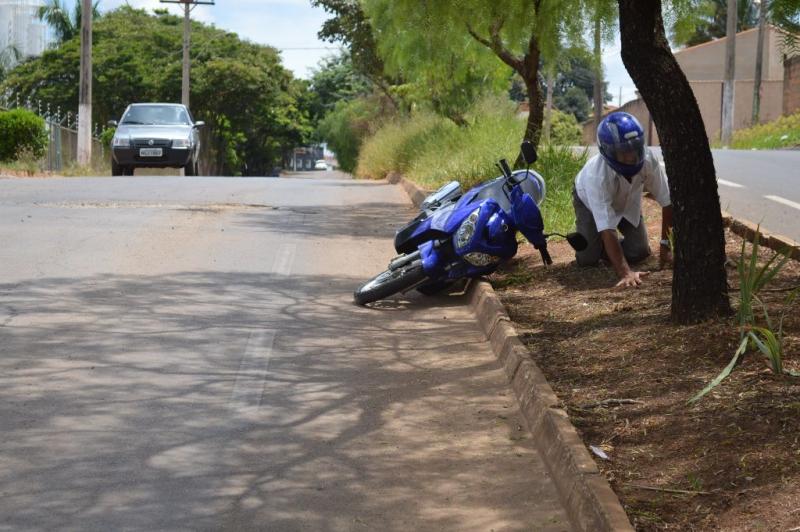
column 223, row 400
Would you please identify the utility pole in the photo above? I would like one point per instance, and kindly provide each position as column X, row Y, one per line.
column 85, row 90
column 599, row 86
column 188, row 7
column 762, row 22
column 548, row 106
column 730, row 73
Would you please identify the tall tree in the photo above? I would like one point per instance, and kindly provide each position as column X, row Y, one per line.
column 699, row 289
column 335, row 79
column 457, row 38
column 707, row 20
column 65, row 26
column 350, row 26
column 9, row 57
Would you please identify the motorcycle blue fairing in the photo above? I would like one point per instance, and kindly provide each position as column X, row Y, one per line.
column 528, row 217
column 502, row 212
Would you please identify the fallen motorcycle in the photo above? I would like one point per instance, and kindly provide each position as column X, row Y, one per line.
column 465, row 235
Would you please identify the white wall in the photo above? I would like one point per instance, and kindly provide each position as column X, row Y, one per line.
column 20, row 26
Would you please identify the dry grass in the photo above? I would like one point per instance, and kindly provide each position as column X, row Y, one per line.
column 740, row 443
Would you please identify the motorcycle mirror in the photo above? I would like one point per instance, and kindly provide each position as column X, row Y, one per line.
column 528, row 152
column 577, row 241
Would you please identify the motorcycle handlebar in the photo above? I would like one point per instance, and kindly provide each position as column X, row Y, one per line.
column 506, row 169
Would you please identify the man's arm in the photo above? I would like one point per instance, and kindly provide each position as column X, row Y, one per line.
column 627, row 277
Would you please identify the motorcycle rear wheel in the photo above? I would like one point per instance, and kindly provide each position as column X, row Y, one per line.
column 388, row 283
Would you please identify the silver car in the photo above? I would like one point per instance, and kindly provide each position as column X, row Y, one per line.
column 155, row 135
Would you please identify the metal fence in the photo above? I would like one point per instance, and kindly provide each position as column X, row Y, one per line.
column 62, row 135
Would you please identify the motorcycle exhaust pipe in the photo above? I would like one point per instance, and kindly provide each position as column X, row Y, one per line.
column 404, row 260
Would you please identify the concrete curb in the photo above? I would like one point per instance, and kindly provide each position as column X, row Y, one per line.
column 591, row 504
column 587, row 497
column 748, row 230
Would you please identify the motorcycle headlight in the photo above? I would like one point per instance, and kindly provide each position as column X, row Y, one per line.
column 121, row 142
column 481, row 259
column 467, row 229
column 182, row 143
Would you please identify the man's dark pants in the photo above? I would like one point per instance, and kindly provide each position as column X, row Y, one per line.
column 634, row 243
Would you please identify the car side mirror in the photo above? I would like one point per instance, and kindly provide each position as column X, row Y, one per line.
column 577, row 241
column 113, row 123
column 199, row 124
column 528, row 152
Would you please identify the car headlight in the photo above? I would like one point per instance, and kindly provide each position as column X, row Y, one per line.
column 182, row 143
column 467, row 229
column 121, row 142
column 481, row 259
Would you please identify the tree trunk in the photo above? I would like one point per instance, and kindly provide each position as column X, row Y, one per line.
column 533, row 129
column 699, row 288
column 548, row 106
column 762, row 22
column 598, row 73
column 729, row 84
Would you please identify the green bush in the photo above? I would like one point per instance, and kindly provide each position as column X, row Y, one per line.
column 781, row 133
column 21, row 131
column 346, row 126
column 564, row 129
column 431, row 150
column 107, row 136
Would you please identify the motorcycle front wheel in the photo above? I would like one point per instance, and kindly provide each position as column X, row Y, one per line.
column 388, row 283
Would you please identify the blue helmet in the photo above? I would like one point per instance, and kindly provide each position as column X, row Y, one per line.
column 620, row 139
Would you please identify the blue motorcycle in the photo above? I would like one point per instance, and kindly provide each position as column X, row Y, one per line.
column 458, row 235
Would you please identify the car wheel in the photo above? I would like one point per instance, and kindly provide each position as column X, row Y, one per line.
column 116, row 170
column 197, row 168
column 188, row 170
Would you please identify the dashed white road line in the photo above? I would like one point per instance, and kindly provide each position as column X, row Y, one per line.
column 252, row 374
column 729, row 183
column 284, row 259
column 784, row 201
column 720, row 181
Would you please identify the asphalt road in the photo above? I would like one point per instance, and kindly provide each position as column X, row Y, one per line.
column 762, row 186
column 183, row 354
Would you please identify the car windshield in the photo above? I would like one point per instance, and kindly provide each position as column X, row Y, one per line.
column 158, row 115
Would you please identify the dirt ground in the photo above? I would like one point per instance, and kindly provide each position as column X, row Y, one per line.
column 734, row 456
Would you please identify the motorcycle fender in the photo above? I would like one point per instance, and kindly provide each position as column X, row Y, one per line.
column 431, row 259
column 528, row 218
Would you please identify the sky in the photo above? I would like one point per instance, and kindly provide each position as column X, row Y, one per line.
column 292, row 25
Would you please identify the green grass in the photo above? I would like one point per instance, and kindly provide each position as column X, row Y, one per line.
column 781, row 133
column 431, row 151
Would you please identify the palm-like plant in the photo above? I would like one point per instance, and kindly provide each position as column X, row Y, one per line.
column 66, row 26
column 710, row 18
column 9, row 56
column 786, row 15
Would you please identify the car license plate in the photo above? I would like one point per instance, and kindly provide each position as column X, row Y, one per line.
column 151, row 152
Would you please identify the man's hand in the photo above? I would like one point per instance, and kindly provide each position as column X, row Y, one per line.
column 632, row 278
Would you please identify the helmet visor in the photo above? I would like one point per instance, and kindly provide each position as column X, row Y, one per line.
column 629, row 152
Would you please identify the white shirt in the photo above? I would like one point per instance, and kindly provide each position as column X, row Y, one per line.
column 610, row 197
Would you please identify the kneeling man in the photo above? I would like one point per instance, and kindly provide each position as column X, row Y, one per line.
column 608, row 198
